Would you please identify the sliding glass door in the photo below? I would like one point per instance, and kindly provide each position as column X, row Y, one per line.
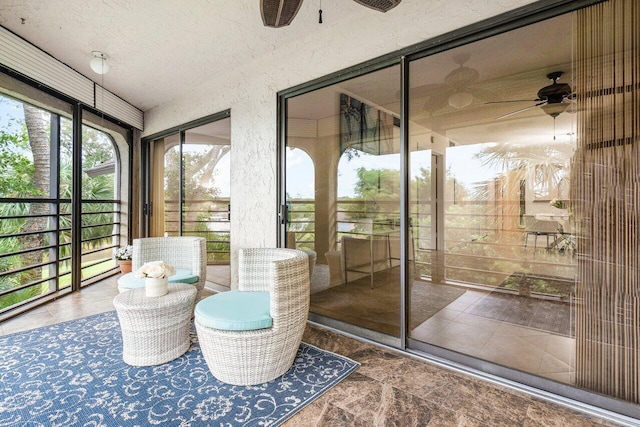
column 513, row 178
column 62, row 181
column 343, row 198
column 190, row 190
column 501, row 269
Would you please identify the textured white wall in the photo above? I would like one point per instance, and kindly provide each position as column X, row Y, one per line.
column 251, row 92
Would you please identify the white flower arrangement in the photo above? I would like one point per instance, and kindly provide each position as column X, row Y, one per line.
column 155, row 269
column 124, row 253
column 557, row 203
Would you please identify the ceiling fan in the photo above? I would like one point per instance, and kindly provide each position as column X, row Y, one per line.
column 553, row 99
column 279, row 13
column 458, row 89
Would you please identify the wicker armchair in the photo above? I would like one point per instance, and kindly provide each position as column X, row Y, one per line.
column 246, row 357
column 180, row 252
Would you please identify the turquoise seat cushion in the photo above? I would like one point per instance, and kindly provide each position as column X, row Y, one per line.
column 235, row 311
column 183, row 275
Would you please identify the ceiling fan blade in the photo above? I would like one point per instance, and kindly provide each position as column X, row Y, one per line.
column 379, row 5
column 279, row 13
column 427, row 90
column 521, row 110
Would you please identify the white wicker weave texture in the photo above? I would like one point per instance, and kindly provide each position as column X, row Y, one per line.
column 155, row 330
column 257, row 356
column 179, row 252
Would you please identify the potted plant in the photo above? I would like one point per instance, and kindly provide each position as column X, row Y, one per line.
column 123, row 256
column 557, row 203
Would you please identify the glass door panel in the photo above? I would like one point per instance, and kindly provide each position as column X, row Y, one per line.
column 343, row 197
column 101, row 227
column 171, row 188
column 190, row 191
column 28, row 202
column 164, row 186
column 206, row 203
column 498, row 267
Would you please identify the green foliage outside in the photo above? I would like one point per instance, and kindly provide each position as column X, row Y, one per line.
column 18, row 178
column 301, row 222
column 201, row 197
column 480, row 250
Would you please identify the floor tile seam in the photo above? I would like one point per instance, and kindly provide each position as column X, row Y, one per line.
column 384, row 380
column 326, row 405
column 571, row 350
column 511, row 337
column 439, row 404
column 519, row 423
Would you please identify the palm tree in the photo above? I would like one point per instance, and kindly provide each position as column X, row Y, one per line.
column 26, row 173
column 542, row 165
column 37, row 124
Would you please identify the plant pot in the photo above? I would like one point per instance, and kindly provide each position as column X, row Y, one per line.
column 156, row 287
column 125, row 266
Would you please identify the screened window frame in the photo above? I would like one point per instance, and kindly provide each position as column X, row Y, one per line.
column 24, row 89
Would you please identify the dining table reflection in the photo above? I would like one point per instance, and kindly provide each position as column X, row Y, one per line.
column 564, row 238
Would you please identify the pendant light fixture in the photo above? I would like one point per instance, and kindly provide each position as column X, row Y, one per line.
column 99, row 63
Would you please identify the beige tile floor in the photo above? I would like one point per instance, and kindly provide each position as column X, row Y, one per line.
column 531, row 350
column 219, row 277
column 453, row 327
column 389, row 388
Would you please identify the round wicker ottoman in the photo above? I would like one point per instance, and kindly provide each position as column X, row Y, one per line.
column 155, row 330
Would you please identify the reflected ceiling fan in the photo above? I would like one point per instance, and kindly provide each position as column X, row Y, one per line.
column 457, row 89
column 553, row 99
column 280, row 13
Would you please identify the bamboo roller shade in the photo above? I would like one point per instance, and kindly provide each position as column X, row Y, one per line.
column 606, row 198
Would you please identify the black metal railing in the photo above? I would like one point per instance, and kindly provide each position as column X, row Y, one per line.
column 301, row 224
column 35, row 249
column 204, row 218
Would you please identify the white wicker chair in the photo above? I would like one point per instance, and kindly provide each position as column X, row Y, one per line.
column 180, row 252
column 261, row 355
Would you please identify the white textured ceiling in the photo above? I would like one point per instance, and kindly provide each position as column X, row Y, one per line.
column 160, row 49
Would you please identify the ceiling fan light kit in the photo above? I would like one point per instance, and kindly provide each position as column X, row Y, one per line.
column 554, row 110
column 460, row 99
column 553, row 99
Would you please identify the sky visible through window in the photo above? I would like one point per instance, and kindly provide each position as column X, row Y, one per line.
column 461, row 162
column 11, row 114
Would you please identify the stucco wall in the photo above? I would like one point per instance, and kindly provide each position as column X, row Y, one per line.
column 251, row 94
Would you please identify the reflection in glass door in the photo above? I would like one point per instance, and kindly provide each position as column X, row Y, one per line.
column 522, row 203
column 190, row 191
column 497, row 281
column 343, row 198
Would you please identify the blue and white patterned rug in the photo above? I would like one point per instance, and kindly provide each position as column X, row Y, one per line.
column 72, row 374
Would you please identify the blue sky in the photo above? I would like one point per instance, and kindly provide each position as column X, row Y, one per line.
column 10, row 109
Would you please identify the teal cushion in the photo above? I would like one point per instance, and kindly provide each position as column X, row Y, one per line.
column 183, row 275
column 235, row 311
